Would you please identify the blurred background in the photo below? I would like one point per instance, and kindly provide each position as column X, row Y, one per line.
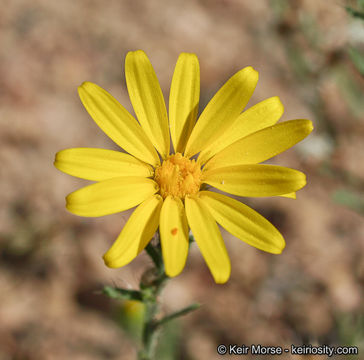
column 308, row 52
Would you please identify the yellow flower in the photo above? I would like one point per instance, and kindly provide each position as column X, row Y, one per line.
column 167, row 186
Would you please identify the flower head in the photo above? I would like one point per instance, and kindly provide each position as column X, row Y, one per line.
column 166, row 186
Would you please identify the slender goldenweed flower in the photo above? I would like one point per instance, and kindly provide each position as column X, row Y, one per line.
column 223, row 149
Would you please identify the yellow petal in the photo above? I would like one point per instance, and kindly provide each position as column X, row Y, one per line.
column 174, row 235
column 265, row 113
column 147, row 99
column 208, row 238
column 110, row 196
column 222, row 110
column 289, row 196
column 136, row 234
column 184, row 99
column 243, row 222
column 117, row 123
column 255, row 180
column 262, row 145
column 100, row 164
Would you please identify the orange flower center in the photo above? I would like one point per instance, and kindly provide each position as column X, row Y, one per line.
column 178, row 176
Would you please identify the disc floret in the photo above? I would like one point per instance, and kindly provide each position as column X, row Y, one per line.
column 178, row 176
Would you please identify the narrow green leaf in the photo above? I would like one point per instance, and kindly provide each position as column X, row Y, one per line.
column 123, row 294
column 179, row 313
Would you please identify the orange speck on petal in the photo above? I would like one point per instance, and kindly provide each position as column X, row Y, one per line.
column 174, row 231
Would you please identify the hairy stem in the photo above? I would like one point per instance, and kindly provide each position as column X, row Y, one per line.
column 151, row 284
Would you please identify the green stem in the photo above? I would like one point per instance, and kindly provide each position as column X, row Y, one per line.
column 155, row 255
column 148, row 335
column 151, row 284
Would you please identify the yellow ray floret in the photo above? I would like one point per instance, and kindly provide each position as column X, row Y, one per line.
column 136, row 234
column 243, row 222
column 262, row 145
column 110, row 196
column 100, row 164
column 117, row 123
column 173, row 230
column 184, row 99
column 147, row 99
column 208, row 238
column 265, row 113
column 222, row 110
column 255, row 180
